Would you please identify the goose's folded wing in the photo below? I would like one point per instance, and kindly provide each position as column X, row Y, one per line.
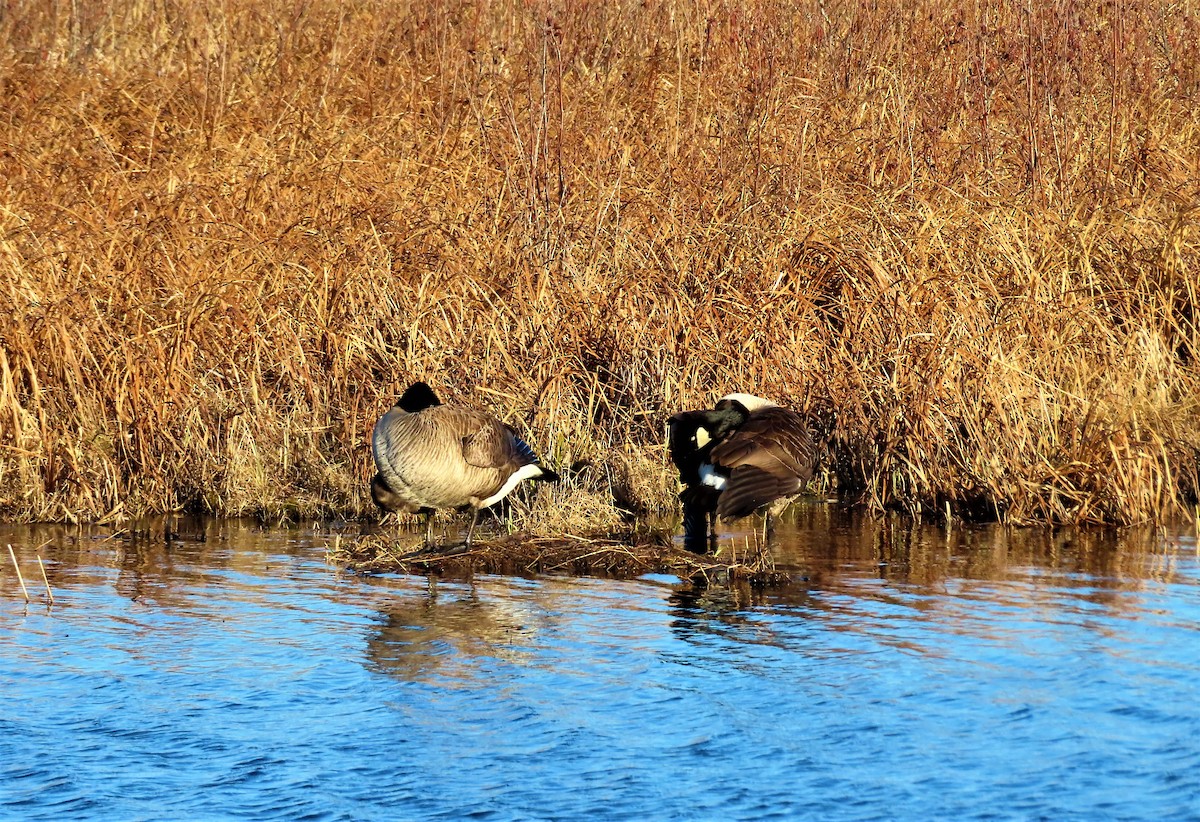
column 776, row 441
column 495, row 445
column 391, row 444
column 749, row 488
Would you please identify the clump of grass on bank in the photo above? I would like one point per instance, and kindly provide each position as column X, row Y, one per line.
column 964, row 238
column 624, row 554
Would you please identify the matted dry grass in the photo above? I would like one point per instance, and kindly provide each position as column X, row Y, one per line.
column 963, row 234
column 624, row 554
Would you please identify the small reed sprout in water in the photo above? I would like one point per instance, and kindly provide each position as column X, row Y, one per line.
column 17, row 568
column 21, row 579
column 46, row 580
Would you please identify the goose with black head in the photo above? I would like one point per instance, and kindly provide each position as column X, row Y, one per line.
column 745, row 455
column 431, row 456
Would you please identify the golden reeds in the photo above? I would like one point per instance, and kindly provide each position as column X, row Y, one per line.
column 962, row 235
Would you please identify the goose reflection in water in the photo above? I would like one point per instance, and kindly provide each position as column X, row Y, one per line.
column 451, row 628
column 893, row 580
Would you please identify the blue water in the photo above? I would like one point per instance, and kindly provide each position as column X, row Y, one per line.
column 908, row 674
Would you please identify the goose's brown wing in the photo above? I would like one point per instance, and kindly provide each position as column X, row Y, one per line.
column 495, row 445
column 770, row 456
column 750, row 488
column 775, row 440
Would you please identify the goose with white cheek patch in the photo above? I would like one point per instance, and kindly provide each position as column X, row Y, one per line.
column 431, row 456
column 744, row 455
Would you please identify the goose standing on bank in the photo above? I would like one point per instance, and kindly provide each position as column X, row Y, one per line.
column 745, row 454
column 432, row 456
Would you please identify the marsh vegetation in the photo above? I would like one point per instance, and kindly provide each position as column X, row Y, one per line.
column 962, row 235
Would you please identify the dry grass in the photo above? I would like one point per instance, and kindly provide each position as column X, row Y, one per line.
column 624, row 553
column 230, row 234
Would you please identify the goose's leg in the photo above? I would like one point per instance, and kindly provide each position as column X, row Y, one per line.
column 471, row 527
column 428, row 528
column 695, row 527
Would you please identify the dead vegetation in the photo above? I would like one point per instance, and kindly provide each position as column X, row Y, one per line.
column 965, row 235
column 625, row 553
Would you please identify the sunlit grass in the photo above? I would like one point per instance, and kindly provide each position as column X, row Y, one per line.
column 965, row 237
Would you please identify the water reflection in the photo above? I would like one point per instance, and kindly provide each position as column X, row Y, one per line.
column 891, row 582
column 452, row 624
column 159, row 562
column 829, row 546
column 909, row 672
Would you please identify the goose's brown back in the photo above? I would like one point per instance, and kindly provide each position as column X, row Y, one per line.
column 445, row 456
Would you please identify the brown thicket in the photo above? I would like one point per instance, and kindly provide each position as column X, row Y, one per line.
column 962, row 234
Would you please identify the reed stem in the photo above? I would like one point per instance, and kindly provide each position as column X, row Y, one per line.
column 45, row 579
column 17, row 568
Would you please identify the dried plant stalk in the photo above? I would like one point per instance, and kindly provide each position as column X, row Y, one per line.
column 17, row 568
column 45, row 579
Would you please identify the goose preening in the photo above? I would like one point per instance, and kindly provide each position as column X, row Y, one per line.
column 745, row 454
column 432, row 456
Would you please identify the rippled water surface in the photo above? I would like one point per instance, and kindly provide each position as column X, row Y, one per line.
column 909, row 674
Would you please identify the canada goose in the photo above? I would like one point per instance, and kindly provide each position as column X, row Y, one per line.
column 432, row 456
column 742, row 455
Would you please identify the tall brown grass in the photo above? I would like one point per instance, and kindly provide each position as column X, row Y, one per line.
column 963, row 233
